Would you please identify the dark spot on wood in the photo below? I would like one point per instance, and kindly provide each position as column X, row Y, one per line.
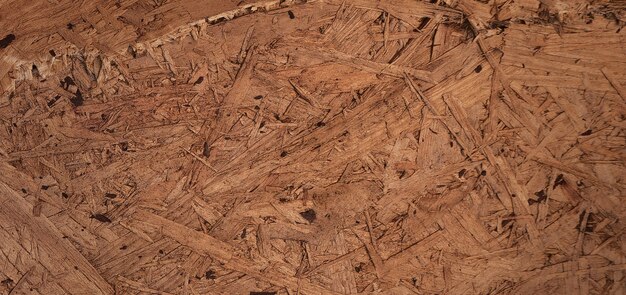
column 309, row 215
column 45, row 187
column 110, row 195
column 8, row 282
column 161, row 252
column 65, row 195
column 210, row 274
column 35, row 71
column 462, row 172
column 541, row 196
column 423, row 24
column 586, row 133
column 67, row 82
column 558, row 181
column 581, row 217
column 284, row 154
column 320, row 124
column 53, row 101
column 258, row 97
column 132, row 51
column 206, row 149
column 124, row 146
column 78, row 99
column 4, row 43
column 497, row 24
column 70, row 26
column 124, row 247
column 200, row 79
column 100, row 217
column 592, row 220
column 283, row 200
column 54, row 54
column 483, row 173
column 478, row 68
column 23, row 190
column 358, row 268
column 291, row 15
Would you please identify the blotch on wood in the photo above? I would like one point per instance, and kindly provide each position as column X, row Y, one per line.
column 7, row 40
column 310, row 215
column 559, row 180
column 100, row 217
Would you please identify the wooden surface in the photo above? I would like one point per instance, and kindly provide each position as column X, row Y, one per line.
column 312, row 147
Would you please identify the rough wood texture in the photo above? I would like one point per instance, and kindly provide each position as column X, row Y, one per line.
column 312, row 147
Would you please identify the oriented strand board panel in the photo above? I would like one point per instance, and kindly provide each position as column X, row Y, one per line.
column 312, row 147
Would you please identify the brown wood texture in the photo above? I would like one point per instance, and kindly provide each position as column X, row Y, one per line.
column 312, row 147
